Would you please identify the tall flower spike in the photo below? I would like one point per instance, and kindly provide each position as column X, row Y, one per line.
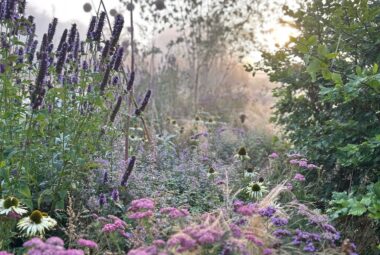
column 39, row 91
column 128, row 171
column 130, row 81
column 91, row 28
column 99, row 27
column 62, row 41
column 51, row 30
column 105, row 50
column 61, row 59
column 43, row 47
column 144, row 103
column 72, row 35
column 76, row 47
column 105, row 79
column 118, row 26
column 118, row 58
column 116, row 109
column 32, row 51
column 21, row 6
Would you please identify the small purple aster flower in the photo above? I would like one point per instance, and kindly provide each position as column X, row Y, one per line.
column 267, row 212
column 267, row 251
column 302, row 163
column 115, row 195
column 309, row 247
column 279, row 222
column 280, row 233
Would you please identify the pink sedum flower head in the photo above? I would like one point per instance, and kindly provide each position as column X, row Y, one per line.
column 299, row 177
column 141, row 215
column 311, row 166
column 87, row 243
column 174, row 212
column 274, row 155
column 144, row 203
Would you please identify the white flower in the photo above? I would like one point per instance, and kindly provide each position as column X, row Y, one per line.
column 36, row 224
column 249, row 173
column 242, row 154
column 256, row 190
column 11, row 204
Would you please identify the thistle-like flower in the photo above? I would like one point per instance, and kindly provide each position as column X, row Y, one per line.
column 11, row 205
column 36, row 224
column 242, row 154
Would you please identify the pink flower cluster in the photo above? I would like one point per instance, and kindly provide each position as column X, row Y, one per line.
column 250, row 236
column 53, row 245
column 302, row 163
column 149, row 250
column 245, row 209
column 141, row 208
column 174, row 212
column 274, row 155
column 5, row 253
column 87, row 243
column 299, row 177
column 115, row 224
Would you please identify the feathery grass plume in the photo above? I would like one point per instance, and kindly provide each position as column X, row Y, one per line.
column 116, row 109
column 99, row 27
column 39, row 91
column 128, row 171
column 117, row 28
column 91, row 28
column 105, row 51
column 130, row 81
column 72, row 35
column 51, row 30
column 105, row 79
column 118, row 58
column 61, row 59
column 144, row 103
column 63, row 40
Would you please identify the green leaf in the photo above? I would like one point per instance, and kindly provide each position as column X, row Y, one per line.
column 375, row 68
column 357, row 209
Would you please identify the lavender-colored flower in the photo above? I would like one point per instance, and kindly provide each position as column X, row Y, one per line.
column 117, row 28
column 144, row 103
column 105, row 51
column 61, row 59
column 115, row 195
column 105, row 79
column 115, row 80
column 72, row 36
column 246, row 209
column 5, row 253
column 91, row 28
column 85, row 65
column 149, row 250
column 128, row 171
column 267, row 251
column 280, row 233
column 235, row 230
column 51, row 30
column 2, row 68
column 105, row 177
column 183, row 241
column 250, row 236
column 294, row 161
column 62, row 41
column 55, row 241
column 118, row 58
column 309, row 247
column 267, row 212
column 279, row 222
column 39, row 91
column 99, row 27
column 299, row 177
column 87, row 243
column 131, row 81
column 102, row 199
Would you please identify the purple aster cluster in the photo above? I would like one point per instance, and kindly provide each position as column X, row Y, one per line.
column 267, row 212
column 279, row 222
column 174, row 213
column 53, row 245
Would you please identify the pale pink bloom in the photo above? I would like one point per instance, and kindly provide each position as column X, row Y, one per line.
column 87, row 243
column 274, row 155
column 299, row 177
column 143, row 203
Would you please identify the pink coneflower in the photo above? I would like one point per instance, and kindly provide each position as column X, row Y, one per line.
column 87, row 243
column 299, row 177
column 274, row 155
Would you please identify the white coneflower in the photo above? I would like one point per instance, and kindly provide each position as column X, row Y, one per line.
column 211, row 172
column 36, row 224
column 249, row 173
column 11, row 204
column 256, row 190
column 135, row 138
column 242, row 154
